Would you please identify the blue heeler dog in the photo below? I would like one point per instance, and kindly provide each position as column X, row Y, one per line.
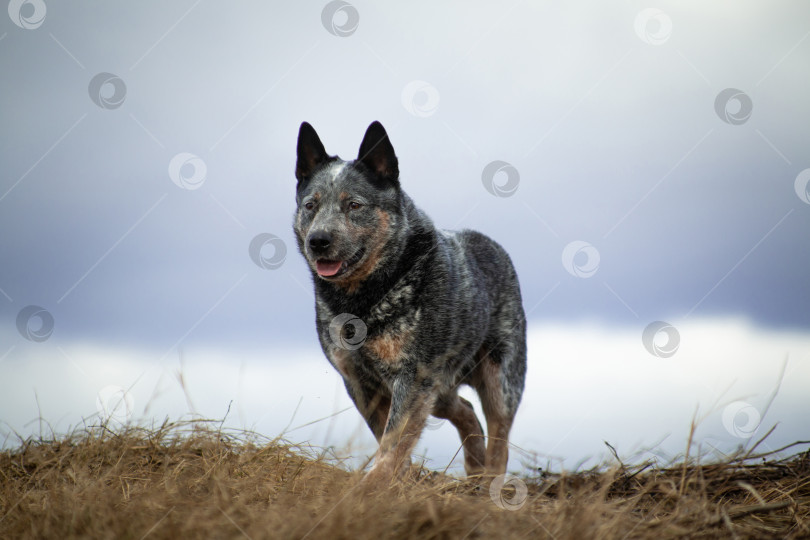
column 407, row 312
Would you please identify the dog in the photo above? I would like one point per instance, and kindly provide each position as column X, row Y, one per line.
column 406, row 312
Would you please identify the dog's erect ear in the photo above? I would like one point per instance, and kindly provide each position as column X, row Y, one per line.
column 311, row 152
column 377, row 154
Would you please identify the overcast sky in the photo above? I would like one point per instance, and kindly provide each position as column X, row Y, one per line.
column 657, row 151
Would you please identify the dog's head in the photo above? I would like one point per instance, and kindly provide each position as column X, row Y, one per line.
column 348, row 211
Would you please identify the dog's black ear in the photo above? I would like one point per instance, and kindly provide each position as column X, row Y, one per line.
column 311, row 153
column 377, row 154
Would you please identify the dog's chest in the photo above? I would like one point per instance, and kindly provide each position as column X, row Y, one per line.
column 377, row 345
column 390, row 344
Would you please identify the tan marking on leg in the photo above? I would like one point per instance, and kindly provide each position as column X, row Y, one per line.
column 497, row 445
column 377, row 410
column 462, row 415
column 396, row 446
column 488, row 385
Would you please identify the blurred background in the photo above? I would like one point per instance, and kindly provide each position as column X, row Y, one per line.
column 645, row 164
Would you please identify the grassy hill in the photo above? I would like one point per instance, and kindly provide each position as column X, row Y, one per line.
column 186, row 480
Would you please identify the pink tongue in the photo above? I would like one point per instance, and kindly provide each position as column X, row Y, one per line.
column 328, row 268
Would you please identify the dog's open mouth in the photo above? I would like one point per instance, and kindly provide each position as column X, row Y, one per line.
column 331, row 269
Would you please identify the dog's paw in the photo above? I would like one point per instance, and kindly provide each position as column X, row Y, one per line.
column 374, row 482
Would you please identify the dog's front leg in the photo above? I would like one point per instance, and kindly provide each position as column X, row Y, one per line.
column 411, row 401
column 373, row 405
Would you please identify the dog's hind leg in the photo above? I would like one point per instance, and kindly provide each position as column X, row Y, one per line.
column 499, row 399
column 461, row 414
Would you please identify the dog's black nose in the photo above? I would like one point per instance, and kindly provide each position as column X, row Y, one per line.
column 319, row 241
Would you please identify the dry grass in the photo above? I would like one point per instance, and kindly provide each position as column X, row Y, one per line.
column 186, row 481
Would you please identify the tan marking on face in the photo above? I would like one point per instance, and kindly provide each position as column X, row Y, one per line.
column 343, row 196
column 374, row 247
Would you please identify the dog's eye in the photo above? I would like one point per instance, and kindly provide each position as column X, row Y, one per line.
column 309, row 205
column 354, row 205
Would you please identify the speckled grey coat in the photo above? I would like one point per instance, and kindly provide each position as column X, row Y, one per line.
column 407, row 312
